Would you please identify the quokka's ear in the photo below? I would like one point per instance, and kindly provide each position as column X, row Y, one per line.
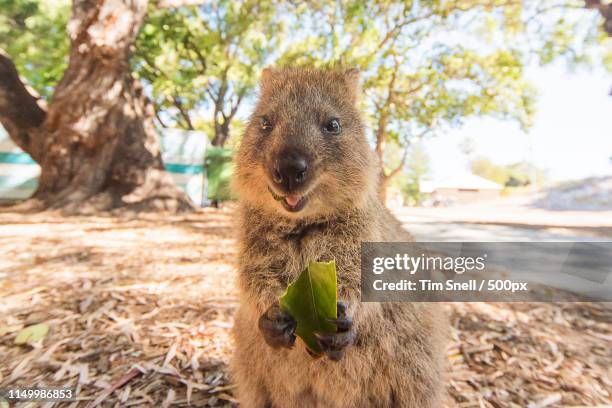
column 351, row 78
column 267, row 76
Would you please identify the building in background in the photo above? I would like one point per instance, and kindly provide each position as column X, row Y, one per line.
column 183, row 155
column 18, row 172
column 460, row 189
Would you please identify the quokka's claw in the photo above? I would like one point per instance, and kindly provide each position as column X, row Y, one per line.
column 277, row 327
column 334, row 344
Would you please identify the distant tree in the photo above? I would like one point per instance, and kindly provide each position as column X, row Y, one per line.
column 512, row 175
column 525, row 173
column 206, row 56
column 95, row 142
column 483, row 167
column 417, row 167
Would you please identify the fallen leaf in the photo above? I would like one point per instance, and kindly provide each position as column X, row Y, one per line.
column 134, row 372
column 32, row 333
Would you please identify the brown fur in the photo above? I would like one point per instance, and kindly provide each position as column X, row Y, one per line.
column 397, row 358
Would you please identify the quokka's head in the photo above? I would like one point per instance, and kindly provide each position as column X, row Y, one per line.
column 304, row 151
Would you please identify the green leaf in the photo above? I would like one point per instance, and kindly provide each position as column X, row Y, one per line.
column 32, row 333
column 311, row 300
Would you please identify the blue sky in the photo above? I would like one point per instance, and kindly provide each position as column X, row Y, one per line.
column 571, row 137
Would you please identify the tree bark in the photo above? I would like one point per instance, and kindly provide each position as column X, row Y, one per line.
column 221, row 129
column 381, row 134
column 382, row 188
column 20, row 112
column 221, row 133
column 97, row 146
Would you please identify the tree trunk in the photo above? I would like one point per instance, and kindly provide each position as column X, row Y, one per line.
column 97, row 146
column 382, row 187
column 221, row 133
column 379, row 149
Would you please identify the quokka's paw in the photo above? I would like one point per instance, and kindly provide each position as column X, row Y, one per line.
column 334, row 344
column 277, row 327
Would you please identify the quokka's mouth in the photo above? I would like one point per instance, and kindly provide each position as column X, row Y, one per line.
column 292, row 202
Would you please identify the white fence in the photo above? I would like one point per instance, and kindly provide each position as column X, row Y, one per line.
column 182, row 153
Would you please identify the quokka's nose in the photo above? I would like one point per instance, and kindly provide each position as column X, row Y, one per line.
column 290, row 171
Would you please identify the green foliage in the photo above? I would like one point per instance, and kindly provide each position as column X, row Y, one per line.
column 417, row 167
column 485, row 168
column 521, row 174
column 205, row 57
column 33, row 33
column 512, row 175
column 311, row 300
column 219, row 170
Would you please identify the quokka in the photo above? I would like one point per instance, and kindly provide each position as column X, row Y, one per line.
column 307, row 183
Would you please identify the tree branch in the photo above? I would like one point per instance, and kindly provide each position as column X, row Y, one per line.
column 606, row 12
column 396, row 170
column 20, row 112
column 213, row 95
column 235, row 105
column 159, row 119
column 184, row 114
column 395, row 31
column 163, row 4
column 543, row 10
column 190, row 45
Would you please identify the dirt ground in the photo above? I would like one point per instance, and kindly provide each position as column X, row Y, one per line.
column 140, row 312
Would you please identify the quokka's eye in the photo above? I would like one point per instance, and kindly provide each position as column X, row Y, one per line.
column 265, row 124
column 332, row 127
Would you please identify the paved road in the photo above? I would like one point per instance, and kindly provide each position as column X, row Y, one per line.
column 433, row 229
column 598, row 286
